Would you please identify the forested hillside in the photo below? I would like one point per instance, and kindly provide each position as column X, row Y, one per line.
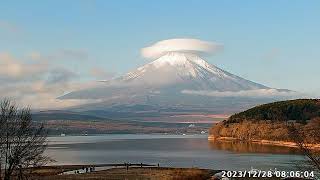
column 270, row 122
column 299, row 110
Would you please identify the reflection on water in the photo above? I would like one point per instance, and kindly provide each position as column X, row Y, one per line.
column 170, row 150
column 246, row 147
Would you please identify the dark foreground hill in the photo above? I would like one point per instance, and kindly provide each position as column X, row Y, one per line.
column 298, row 110
column 273, row 121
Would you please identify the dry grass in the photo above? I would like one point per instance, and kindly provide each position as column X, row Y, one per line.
column 152, row 173
column 134, row 173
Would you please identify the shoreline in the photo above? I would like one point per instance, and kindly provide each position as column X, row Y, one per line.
column 265, row 142
column 120, row 172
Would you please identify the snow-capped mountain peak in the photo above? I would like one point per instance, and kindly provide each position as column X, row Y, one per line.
column 178, row 77
column 188, row 69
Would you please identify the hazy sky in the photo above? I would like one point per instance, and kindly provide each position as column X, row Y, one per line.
column 45, row 45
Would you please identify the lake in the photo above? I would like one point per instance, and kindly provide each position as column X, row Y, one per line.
column 171, row 150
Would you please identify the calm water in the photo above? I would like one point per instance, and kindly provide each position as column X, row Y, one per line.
column 170, row 150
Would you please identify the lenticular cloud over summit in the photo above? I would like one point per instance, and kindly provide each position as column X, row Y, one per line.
column 178, row 77
column 194, row 46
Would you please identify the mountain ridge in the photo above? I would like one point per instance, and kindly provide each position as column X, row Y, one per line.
column 171, row 80
column 175, row 68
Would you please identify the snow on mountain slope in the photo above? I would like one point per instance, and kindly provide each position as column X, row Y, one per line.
column 179, row 80
column 188, row 68
column 172, row 73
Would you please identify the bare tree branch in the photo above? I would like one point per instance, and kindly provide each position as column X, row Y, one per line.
column 22, row 142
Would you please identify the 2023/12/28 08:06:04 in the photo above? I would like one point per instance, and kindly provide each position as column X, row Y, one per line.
column 269, row 173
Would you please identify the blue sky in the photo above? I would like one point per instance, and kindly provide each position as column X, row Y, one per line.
column 272, row 42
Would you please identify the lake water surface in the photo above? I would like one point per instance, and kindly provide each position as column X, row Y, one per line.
column 171, row 150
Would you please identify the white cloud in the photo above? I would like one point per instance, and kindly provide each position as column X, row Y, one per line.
column 60, row 75
column 62, row 54
column 12, row 69
column 101, row 74
column 181, row 45
column 245, row 93
column 41, row 95
column 38, row 84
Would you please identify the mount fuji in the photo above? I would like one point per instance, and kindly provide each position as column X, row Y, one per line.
column 174, row 72
column 177, row 81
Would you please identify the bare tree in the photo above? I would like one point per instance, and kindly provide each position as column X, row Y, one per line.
column 304, row 137
column 22, row 142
